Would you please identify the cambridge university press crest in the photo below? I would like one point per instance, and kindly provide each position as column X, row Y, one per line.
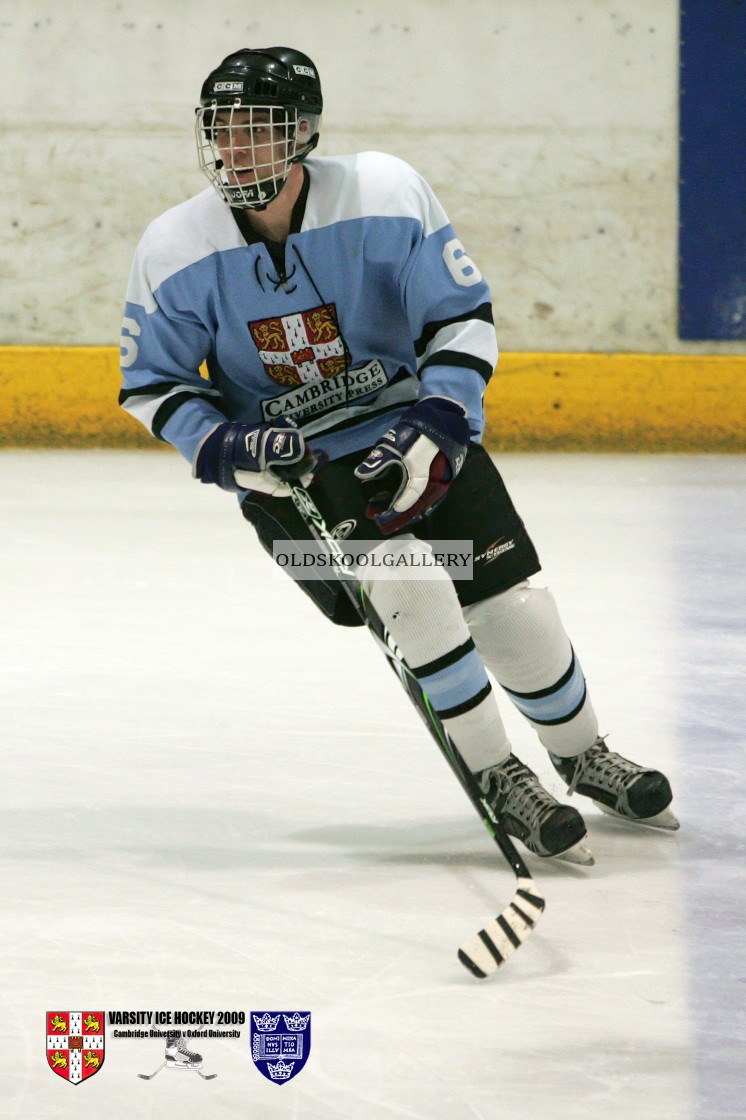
column 75, row 1044
column 280, row 1043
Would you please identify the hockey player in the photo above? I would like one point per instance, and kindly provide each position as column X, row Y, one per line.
column 348, row 335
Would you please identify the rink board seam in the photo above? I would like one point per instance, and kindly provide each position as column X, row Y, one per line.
column 66, row 396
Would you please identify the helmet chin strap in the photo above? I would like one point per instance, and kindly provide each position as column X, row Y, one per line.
column 264, row 205
column 306, row 149
column 277, row 183
column 259, row 204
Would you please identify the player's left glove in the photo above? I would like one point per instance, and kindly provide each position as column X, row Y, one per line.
column 408, row 472
column 262, row 457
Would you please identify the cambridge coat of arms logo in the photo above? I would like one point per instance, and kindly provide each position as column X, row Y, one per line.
column 280, row 1043
column 296, row 349
column 75, row 1044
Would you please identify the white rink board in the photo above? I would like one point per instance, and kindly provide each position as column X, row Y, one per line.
column 549, row 131
column 214, row 799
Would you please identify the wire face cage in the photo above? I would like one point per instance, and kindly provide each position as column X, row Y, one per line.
column 246, row 151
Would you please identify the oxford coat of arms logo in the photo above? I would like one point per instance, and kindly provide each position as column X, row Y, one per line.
column 75, row 1044
column 280, row 1043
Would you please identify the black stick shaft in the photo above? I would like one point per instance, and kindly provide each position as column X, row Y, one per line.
column 314, row 521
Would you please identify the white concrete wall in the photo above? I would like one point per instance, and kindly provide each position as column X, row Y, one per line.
column 547, row 127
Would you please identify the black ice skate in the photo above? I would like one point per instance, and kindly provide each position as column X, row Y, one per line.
column 619, row 787
column 528, row 812
column 179, row 1057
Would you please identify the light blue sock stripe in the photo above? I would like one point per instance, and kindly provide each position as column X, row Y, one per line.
column 558, row 705
column 458, row 683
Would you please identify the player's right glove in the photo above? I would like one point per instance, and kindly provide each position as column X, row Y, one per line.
column 408, row 472
column 256, row 457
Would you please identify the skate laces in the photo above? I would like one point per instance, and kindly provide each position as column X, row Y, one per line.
column 520, row 791
column 181, row 1047
column 603, row 767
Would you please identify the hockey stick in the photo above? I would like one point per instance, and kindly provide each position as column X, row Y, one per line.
column 487, row 950
column 150, row 1076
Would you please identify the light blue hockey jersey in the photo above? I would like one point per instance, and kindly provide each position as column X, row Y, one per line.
column 377, row 306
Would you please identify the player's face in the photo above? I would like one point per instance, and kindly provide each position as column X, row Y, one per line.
column 250, row 146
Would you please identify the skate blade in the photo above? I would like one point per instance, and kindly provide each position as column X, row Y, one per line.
column 579, row 853
column 666, row 820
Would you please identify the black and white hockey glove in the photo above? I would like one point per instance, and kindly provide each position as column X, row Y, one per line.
column 256, row 457
column 408, row 472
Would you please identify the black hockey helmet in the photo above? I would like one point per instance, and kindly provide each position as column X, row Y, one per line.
column 275, row 85
column 267, row 76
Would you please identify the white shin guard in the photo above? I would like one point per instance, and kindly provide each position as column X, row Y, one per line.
column 425, row 618
column 523, row 643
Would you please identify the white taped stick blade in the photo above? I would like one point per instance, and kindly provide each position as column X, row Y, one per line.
column 491, row 947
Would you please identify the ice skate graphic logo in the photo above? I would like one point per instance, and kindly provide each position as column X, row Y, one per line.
column 179, row 1056
column 75, row 1044
column 280, row 1054
column 296, row 349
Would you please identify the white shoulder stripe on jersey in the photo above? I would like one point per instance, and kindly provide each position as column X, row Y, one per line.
column 369, row 185
column 469, row 336
column 184, row 235
column 145, row 406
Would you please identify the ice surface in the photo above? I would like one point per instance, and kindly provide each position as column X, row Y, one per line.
column 213, row 799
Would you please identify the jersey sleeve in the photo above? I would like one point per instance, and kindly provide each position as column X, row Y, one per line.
column 163, row 345
column 449, row 308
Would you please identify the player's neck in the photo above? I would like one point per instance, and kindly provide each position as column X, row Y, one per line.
column 274, row 222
